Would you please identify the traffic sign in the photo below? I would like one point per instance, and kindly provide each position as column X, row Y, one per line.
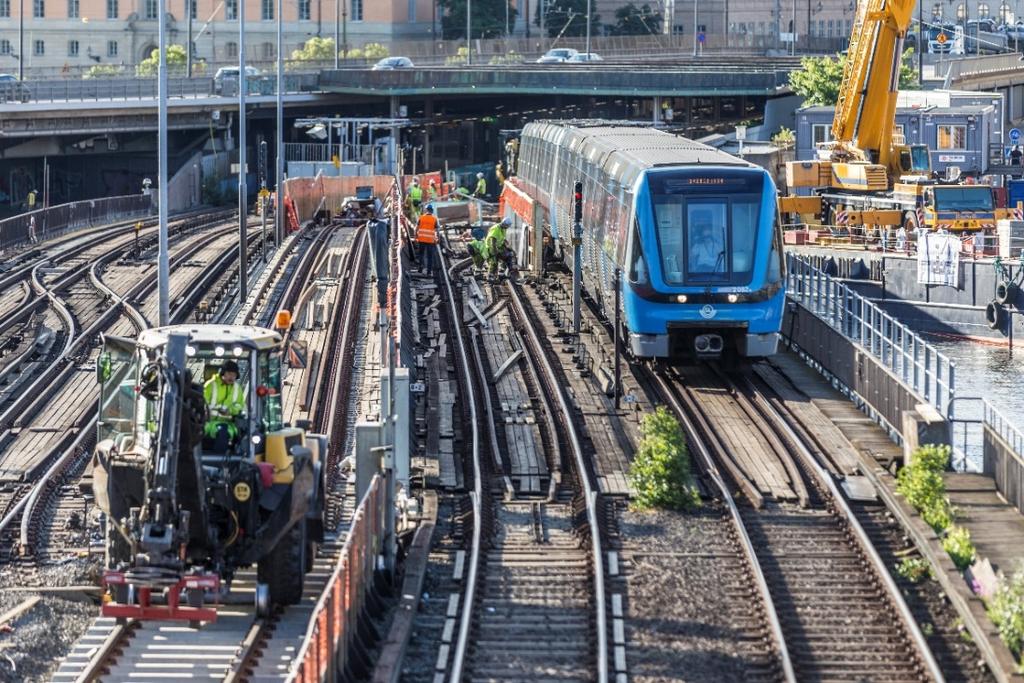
column 700, row 37
column 1015, row 135
column 942, row 38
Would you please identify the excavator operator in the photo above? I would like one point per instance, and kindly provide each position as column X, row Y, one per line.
column 225, row 400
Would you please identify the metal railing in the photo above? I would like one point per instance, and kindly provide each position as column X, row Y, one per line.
column 35, row 226
column 999, row 424
column 902, row 351
column 334, row 624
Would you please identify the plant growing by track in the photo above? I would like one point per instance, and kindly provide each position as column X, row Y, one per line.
column 922, row 485
column 1006, row 610
column 914, row 569
column 660, row 473
column 957, row 544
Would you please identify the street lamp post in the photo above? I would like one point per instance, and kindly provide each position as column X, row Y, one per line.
column 588, row 29
column 337, row 30
column 188, row 46
column 163, row 263
column 469, row 32
column 21, row 42
column 694, row 28
column 279, row 161
column 243, row 223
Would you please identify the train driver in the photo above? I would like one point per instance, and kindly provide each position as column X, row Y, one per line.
column 225, row 400
column 706, row 251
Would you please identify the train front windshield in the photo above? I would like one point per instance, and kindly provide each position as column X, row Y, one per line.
column 706, row 225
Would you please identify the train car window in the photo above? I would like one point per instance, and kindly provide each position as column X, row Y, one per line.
column 637, row 267
column 668, row 216
column 744, row 235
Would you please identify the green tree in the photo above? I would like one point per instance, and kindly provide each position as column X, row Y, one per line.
column 176, row 60
column 375, row 51
column 315, row 50
column 819, row 78
column 631, row 20
column 660, row 473
column 570, row 15
column 488, row 17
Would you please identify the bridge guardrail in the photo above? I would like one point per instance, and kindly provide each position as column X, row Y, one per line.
column 56, row 220
column 902, row 351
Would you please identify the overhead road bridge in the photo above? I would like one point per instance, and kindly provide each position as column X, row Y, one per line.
column 690, row 78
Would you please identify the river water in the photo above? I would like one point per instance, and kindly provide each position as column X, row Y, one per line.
column 990, row 372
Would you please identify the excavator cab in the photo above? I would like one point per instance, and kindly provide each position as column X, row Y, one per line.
column 181, row 515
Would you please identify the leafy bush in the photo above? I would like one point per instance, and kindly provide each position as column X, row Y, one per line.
column 914, row 569
column 376, row 51
column 785, row 138
column 1006, row 610
column 922, row 485
column 102, row 71
column 958, row 546
column 315, row 50
column 460, row 57
column 660, row 473
column 512, row 57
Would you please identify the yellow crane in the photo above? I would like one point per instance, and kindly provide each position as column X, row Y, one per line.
column 867, row 173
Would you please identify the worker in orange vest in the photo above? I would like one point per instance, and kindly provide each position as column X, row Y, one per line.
column 426, row 236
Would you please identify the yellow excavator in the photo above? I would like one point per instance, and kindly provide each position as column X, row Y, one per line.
column 868, row 175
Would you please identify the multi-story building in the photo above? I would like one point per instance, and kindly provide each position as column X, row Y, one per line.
column 74, row 34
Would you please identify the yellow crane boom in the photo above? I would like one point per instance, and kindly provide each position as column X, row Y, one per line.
column 866, row 110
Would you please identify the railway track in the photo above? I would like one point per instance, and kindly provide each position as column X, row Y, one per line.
column 840, row 614
column 533, row 605
column 241, row 644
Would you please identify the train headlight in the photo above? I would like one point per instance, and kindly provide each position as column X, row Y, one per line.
column 681, row 298
column 733, row 298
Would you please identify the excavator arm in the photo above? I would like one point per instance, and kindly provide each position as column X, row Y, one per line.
column 865, row 112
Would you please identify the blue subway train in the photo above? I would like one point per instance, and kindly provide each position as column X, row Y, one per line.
column 694, row 231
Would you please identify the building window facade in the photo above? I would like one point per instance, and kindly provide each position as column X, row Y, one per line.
column 983, row 10
column 72, row 9
column 72, row 48
column 231, row 10
column 231, row 48
column 937, row 12
column 821, row 132
column 304, row 10
column 267, row 10
column 356, row 10
column 1006, row 14
column 5, row 47
column 39, row 9
column 951, row 137
column 112, row 9
column 5, row 9
column 111, row 48
column 412, row 11
column 268, row 51
column 38, row 48
column 961, row 12
column 152, row 8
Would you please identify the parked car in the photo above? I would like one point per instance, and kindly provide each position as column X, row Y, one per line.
column 392, row 63
column 230, row 74
column 558, row 55
column 11, row 89
column 585, row 57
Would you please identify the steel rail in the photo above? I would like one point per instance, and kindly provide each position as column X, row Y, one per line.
column 590, row 494
column 668, row 394
column 95, row 669
column 920, row 642
column 466, row 622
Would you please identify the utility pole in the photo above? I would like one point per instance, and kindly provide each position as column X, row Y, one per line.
column 163, row 262
column 469, row 33
column 337, row 30
column 577, row 256
column 792, row 31
column 279, row 161
column 243, row 271
column 344, row 30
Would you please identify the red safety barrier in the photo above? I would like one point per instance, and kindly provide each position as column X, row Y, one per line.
column 325, row 650
column 515, row 197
